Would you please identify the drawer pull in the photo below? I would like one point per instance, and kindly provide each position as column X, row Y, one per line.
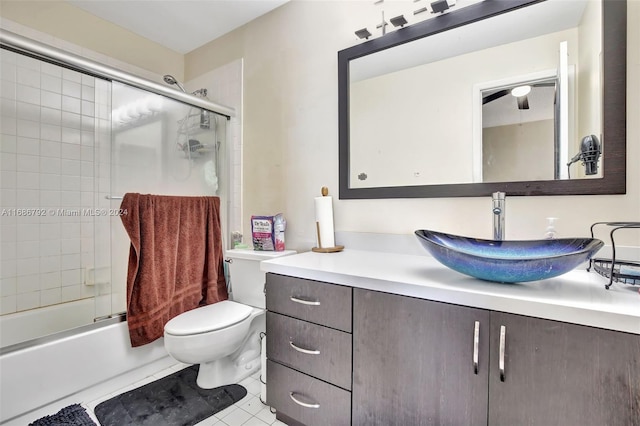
column 302, row 404
column 304, row 301
column 476, row 343
column 304, row 351
column 503, row 333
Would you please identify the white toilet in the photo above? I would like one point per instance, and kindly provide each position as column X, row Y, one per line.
column 224, row 338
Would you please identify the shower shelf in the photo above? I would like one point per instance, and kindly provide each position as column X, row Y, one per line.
column 622, row 271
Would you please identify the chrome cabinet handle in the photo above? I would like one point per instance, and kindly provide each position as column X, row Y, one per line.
column 304, row 351
column 503, row 333
column 303, row 404
column 476, row 343
column 304, row 301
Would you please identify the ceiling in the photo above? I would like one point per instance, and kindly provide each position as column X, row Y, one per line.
column 180, row 25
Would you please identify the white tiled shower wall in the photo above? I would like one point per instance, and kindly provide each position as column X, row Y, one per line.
column 51, row 118
column 225, row 87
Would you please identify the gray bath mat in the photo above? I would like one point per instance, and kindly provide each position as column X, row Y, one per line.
column 73, row 415
column 175, row 400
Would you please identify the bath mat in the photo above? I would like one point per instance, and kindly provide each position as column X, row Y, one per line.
column 175, row 400
column 73, row 415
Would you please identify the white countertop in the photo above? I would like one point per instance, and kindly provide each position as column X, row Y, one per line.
column 577, row 297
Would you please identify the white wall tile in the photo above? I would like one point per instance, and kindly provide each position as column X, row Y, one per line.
column 48, row 182
column 28, row 198
column 26, row 180
column 49, row 149
column 69, row 293
column 8, row 305
column 70, row 167
column 49, row 264
column 71, row 104
column 49, row 116
column 50, row 247
column 71, row 88
column 28, row 146
column 71, row 135
column 8, row 198
column 51, row 296
column 27, row 163
column 8, row 179
column 27, row 249
column 71, row 75
column 29, row 283
column 27, row 233
column 70, row 151
column 8, row 269
column 26, row 111
column 27, row 128
column 50, row 280
column 27, row 301
column 8, row 143
column 50, row 231
column 8, row 286
column 28, row 77
column 51, row 83
column 8, row 107
column 51, row 132
column 28, row 94
column 51, row 99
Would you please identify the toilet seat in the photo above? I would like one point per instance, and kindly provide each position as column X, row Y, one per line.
column 208, row 318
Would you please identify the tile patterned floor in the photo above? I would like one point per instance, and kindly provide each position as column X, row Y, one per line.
column 249, row 411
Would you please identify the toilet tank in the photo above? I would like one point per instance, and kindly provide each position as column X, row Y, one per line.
column 247, row 280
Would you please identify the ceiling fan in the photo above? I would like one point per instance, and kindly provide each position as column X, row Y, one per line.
column 519, row 92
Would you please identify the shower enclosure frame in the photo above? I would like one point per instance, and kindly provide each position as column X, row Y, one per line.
column 43, row 52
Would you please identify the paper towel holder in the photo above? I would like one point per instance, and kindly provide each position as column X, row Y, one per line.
column 324, row 191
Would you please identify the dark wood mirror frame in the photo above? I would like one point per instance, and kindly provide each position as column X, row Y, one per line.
column 614, row 44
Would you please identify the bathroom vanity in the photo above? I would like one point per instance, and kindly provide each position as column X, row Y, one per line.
column 369, row 338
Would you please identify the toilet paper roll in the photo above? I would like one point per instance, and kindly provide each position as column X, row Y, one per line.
column 263, row 370
column 324, row 222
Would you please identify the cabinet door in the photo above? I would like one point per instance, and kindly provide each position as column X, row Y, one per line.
column 413, row 362
column 562, row 374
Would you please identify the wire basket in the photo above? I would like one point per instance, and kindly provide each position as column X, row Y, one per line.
column 622, row 271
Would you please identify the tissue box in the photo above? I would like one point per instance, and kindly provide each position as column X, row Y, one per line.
column 268, row 232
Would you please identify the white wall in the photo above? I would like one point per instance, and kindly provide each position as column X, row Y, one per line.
column 291, row 134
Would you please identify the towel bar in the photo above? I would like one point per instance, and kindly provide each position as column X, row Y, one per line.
column 112, row 197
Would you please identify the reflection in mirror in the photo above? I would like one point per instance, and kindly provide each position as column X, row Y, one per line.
column 519, row 140
column 413, row 120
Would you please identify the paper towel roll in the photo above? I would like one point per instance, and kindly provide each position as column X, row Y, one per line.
column 324, row 222
column 263, row 370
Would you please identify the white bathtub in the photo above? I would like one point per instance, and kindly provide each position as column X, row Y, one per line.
column 39, row 375
column 34, row 323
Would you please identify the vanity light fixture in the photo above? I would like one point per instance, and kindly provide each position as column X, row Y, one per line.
column 520, row 91
column 399, row 21
column 439, row 6
column 363, row 33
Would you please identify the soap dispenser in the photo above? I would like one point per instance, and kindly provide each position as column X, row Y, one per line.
column 551, row 228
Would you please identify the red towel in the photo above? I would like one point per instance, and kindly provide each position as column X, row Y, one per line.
column 175, row 260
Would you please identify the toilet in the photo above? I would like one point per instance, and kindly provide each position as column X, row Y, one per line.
column 224, row 337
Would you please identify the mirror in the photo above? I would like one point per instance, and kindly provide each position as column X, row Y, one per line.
column 393, row 100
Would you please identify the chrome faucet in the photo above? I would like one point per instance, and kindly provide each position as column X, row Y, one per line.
column 498, row 199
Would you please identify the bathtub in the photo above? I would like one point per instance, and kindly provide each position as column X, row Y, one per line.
column 35, row 323
column 37, row 375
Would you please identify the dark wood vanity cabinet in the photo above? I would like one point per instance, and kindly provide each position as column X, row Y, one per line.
column 562, row 374
column 386, row 359
column 309, row 351
column 413, row 363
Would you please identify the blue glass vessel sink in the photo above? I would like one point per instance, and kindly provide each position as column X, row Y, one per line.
column 508, row 261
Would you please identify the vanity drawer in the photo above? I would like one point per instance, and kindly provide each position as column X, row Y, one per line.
column 320, row 303
column 307, row 400
column 319, row 351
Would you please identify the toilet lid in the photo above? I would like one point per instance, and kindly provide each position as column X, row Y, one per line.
column 208, row 318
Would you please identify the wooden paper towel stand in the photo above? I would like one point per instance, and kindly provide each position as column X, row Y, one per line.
column 324, row 191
